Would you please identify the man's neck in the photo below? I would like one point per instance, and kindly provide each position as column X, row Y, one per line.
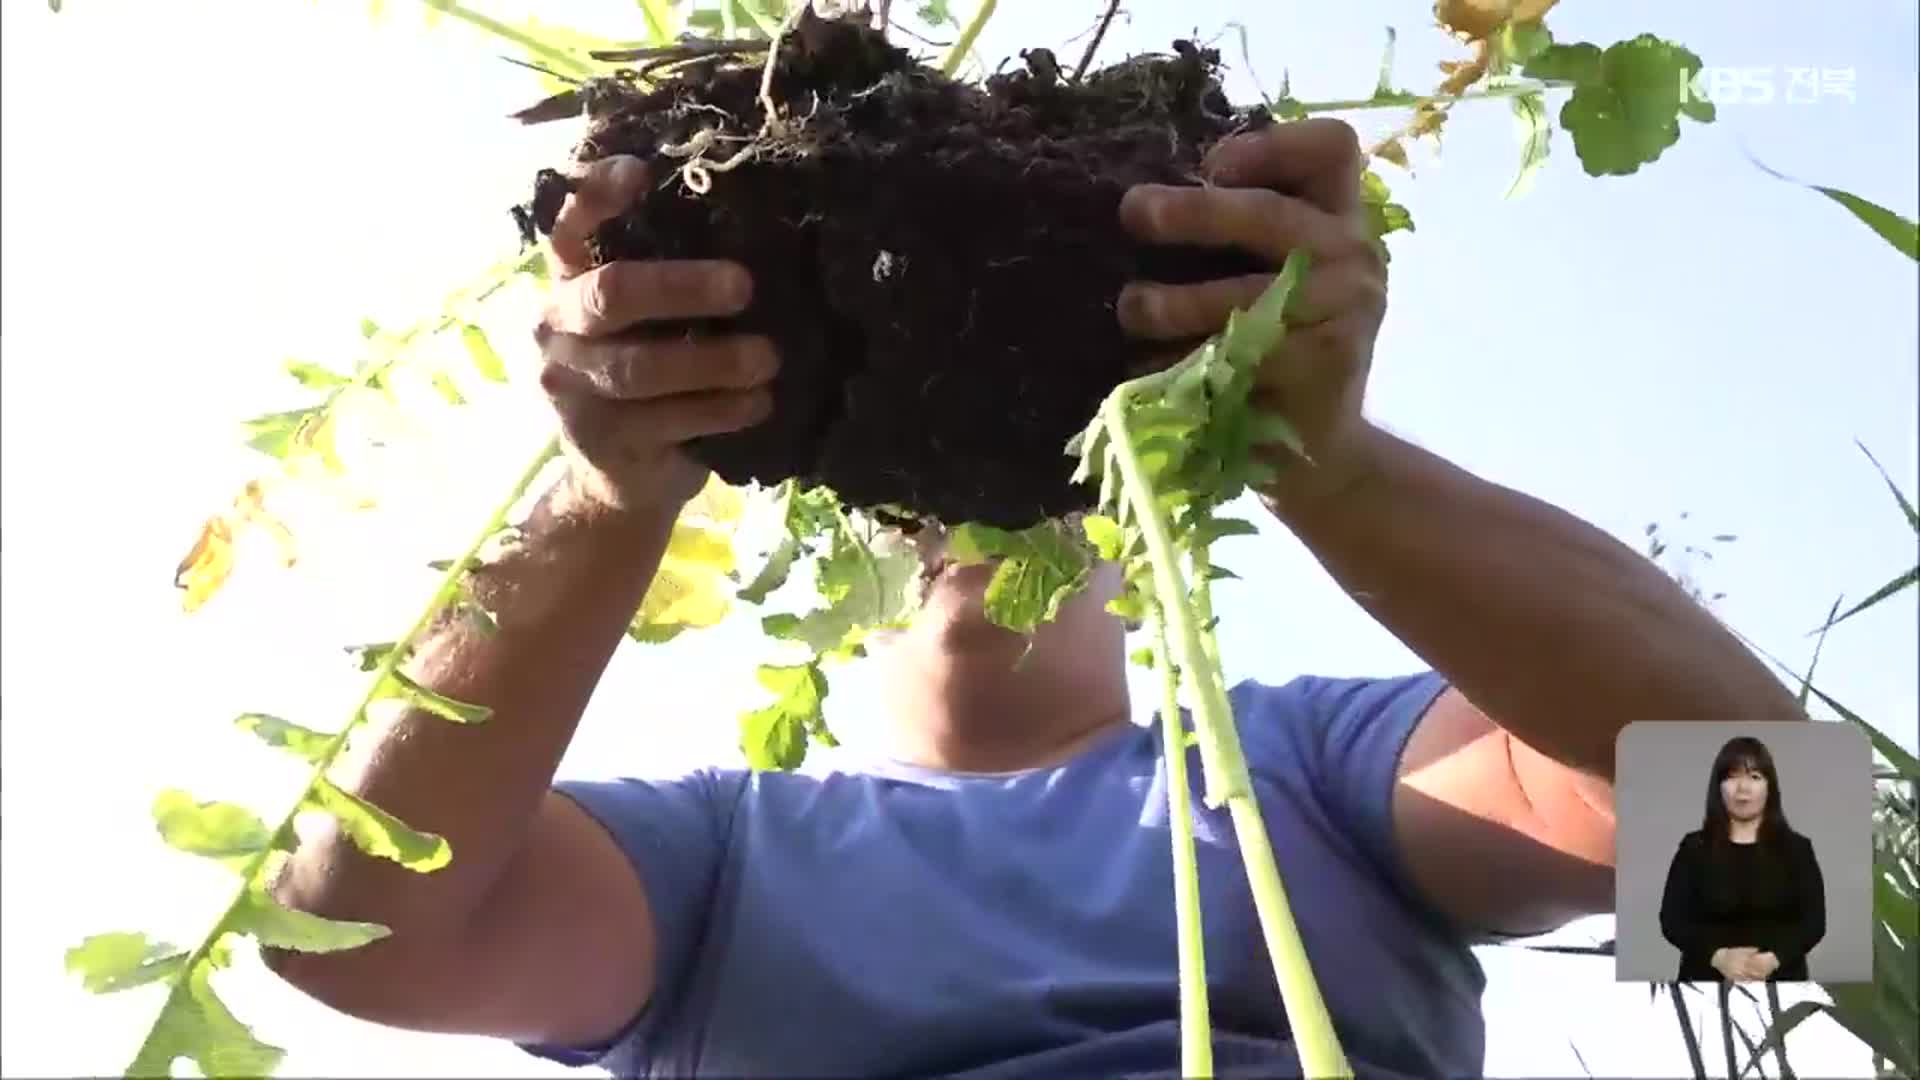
column 963, row 721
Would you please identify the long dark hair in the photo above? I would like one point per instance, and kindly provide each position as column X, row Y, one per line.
column 1744, row 752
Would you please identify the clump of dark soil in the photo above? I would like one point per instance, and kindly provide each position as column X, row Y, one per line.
column 937, row 262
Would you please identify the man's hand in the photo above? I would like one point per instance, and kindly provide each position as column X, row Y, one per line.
column 1292, row 185
column 1762, row 965
column 627, row 402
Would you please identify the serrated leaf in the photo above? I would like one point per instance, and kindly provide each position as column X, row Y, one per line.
column 400, row 686
column 775, row 736
column 1040, row 569
column 1219, row 528
column 314, row 376
column 1383, row 215
column 368, row 657
column 1106, row 536
column 224, row 832
column 804, row 515
column 275, row 925
column 302, row 742
column 1627, row 100
column 111, row 962
column 481, row 351
column 274, row 433
column 194, row 1023
column 864, row 591
column 377, row 832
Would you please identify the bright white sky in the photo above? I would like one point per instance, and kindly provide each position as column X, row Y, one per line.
column 193, row 193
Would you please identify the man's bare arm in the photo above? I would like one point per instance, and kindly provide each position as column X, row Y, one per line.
column 538, row 929
column 1554, row 636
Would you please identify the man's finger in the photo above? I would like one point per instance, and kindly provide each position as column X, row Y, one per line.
column 603, row 191
column 1183, row 312
column 1317, row 159
column 640, row 370
column 1264, row 223
column 632, row 430
column 614, row 297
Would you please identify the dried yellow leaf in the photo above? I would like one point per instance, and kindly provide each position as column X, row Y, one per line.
column 207, row 565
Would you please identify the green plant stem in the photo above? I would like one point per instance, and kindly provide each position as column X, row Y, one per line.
column 519, row 37
column 1318, row 1043
column 1196, row 1025
column 958, row 54
column 1352, row 104
column 449, row 590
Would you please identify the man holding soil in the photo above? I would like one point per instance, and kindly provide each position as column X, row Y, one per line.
column 996, row 900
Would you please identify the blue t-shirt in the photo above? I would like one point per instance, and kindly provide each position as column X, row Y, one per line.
column 900, row 921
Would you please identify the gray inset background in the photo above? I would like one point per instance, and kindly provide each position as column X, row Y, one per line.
column 1826, row 791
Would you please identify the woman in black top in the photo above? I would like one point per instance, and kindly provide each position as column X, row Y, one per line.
column 1744, row 897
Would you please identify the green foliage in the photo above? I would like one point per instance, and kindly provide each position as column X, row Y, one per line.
column 1166, row 450
column 221, row 831
column 194, row 1023
column 111, row 962
column 776, row 736
column 1040, row 568
column 377, row 832
column 1627, row 99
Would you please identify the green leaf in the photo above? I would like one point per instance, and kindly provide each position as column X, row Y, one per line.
column 194, row 1023
column 108, row 963
column 314, row 376
column 401, row 687
column 1902, row 233
column 805, row 515
column 775, row 736
column 1536, row 140
column 1819, row 643
column 369, row 329
column 485, row 360
column 377, row 832
column 221, row 831
column 281, row 927
column 1383, row 215
column 1903, row 582
column 303, row 742
column 1906, row 506
column 274, row 434
column 1903, row 763
column 444, row 384
column 1627, row 101
column 935, row 12
column 1219, row 528
column 1142, row 656
column 864, row 591
column 368, row 657
column 1520, row 42
column 662, row 28
column 1040, row 569
column 1104, row 533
